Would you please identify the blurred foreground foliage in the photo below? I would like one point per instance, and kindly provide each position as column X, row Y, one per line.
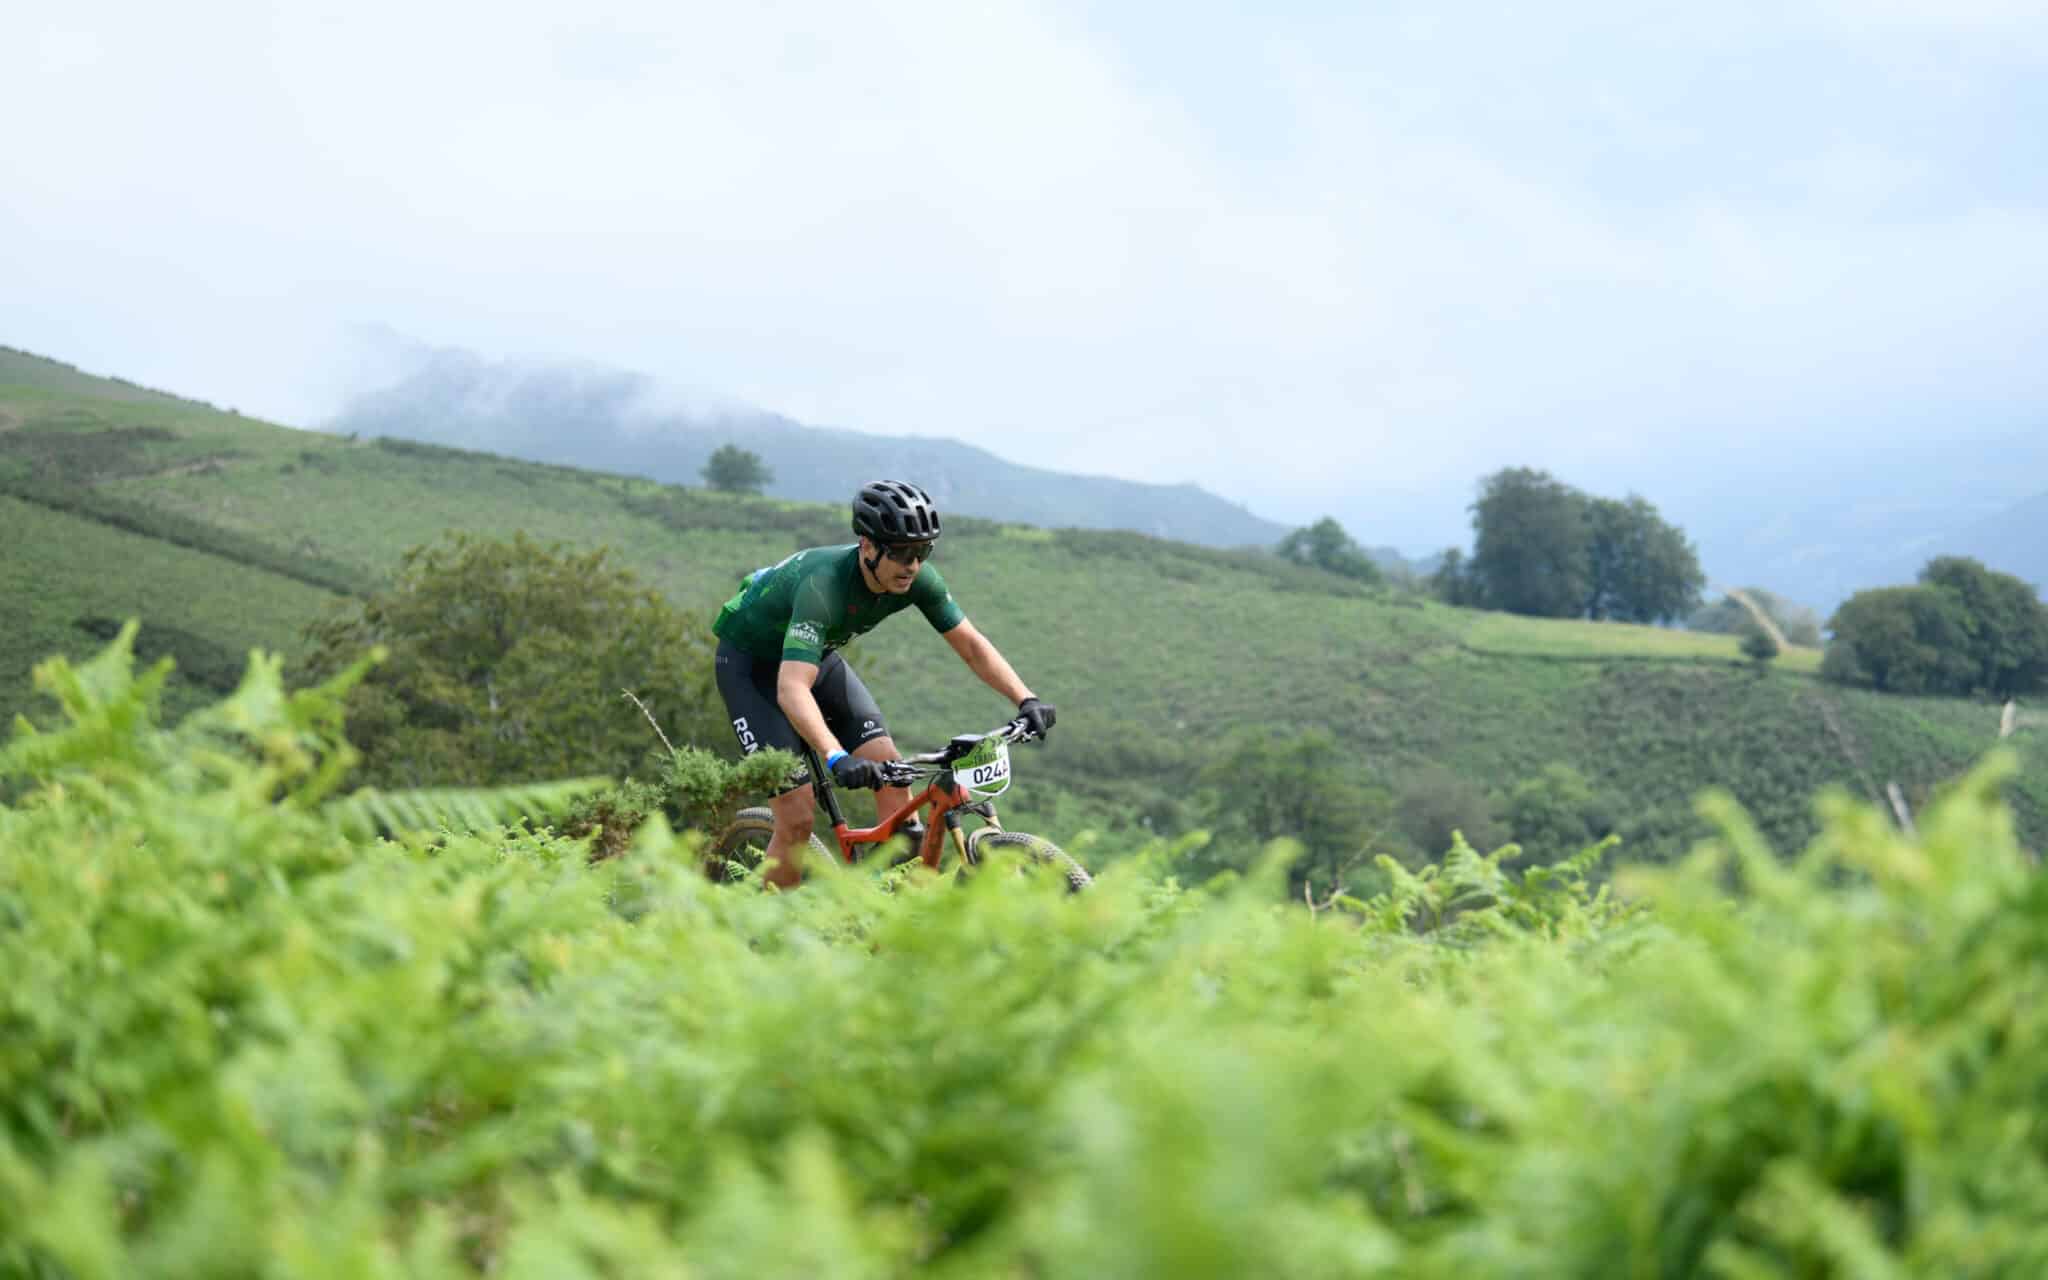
column 238, row 1038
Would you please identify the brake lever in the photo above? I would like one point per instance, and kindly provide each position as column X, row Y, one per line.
column 895, row 773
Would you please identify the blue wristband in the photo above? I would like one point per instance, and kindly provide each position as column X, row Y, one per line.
column 834, row 758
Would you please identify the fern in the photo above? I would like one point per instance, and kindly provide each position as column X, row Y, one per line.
column 232, row 1038
column 370, row 812
column 109, row 707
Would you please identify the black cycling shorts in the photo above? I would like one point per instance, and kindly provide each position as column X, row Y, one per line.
column 747, row 684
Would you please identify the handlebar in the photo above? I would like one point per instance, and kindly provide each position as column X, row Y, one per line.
column 913, row 769
column 1014, row 731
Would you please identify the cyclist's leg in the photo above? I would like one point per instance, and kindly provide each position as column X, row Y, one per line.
column 747, row 685
column 783, row 864
column 854, row 718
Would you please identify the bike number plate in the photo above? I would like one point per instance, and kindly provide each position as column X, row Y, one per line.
column 985, row 771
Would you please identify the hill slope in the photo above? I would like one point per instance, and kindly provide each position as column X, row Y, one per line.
column 20, row 371
column 607, row 420
column 239, row 531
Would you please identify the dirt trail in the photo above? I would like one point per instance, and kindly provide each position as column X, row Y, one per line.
column 1756, row 611
column 9, row 419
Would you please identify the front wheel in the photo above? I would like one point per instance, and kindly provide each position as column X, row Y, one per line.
column 744, row 843
column 1029, row 852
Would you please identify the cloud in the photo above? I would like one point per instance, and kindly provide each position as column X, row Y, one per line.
column 1297, row 257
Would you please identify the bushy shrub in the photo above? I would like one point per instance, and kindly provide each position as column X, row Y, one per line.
column 510, row 660
column 1437, row 804
column 1556, row 813
column 1759, row 645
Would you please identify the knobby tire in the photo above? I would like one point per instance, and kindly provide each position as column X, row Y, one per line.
column 988, row 844
column 745, row 842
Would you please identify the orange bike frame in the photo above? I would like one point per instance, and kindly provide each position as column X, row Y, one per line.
column 851, row 839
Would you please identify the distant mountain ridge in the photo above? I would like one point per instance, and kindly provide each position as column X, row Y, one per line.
column 612, row 420
column 2014, row 540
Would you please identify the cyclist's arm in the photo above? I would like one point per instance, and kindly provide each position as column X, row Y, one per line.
column 803, row 652
column 793, row 681
column 982, row 658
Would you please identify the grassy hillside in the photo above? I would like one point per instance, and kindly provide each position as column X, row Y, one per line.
column 239, row 531
column 20, row 371
column 74, row 579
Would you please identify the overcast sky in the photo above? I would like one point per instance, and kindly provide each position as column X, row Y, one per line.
column 1297, row 253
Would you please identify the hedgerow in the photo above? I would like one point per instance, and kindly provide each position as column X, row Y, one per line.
column 241, row 1036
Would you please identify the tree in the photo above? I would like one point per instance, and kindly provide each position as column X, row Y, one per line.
column 1902, row 640
column 1262, row 786
column 1964, row 629
column 507, row 662
column 1325, row 545
column 1639, row 569
column 1758, row 645
column 1453, row 583
column 1530, row 544
column 2006, row 624
column 736, row 470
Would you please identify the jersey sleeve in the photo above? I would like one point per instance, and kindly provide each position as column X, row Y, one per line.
column 932, row 598
column 804, row 640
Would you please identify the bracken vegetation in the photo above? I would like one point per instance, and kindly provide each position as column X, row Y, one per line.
column 243, row 1036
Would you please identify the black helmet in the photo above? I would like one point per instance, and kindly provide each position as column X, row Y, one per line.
column 890, row 511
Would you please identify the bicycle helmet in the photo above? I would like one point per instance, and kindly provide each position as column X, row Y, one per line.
column 890, row 511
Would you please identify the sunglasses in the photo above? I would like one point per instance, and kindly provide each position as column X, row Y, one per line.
column 909, row 552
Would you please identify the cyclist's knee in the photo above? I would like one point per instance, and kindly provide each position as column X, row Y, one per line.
column 882, row 748
column 793, row 808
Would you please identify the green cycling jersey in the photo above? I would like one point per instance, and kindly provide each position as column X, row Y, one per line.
column 815, row 601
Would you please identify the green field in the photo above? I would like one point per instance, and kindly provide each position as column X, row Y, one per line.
column 1155, row 652
column 1510, row 635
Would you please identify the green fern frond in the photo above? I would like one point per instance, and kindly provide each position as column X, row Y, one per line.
column 369, row 812
column 109, row 708
column 1582, row 863
column 300, row 731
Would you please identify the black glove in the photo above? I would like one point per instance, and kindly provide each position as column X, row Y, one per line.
column 1038, row 716
column 856, row 774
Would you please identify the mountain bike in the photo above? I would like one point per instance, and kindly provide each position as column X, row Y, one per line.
column 962, row 779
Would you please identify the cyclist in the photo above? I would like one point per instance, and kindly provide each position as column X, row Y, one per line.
column 781, row 674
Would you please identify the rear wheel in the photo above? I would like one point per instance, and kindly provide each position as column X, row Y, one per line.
column 1028, row 852
column 744, row 842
